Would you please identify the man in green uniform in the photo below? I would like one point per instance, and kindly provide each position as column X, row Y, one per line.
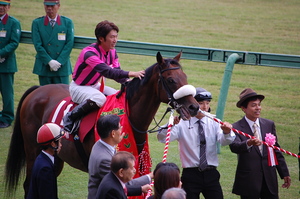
column 53, row 39
column 10, row 33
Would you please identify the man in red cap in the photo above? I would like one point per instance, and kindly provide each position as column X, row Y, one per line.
column 53, row 39
column 255, row 176
column 10, row 35
column 43, row 182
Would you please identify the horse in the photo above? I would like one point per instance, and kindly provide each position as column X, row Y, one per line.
column 164, row 82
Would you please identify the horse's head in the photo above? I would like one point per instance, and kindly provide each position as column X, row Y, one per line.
column 165, row 82
column 174, row 89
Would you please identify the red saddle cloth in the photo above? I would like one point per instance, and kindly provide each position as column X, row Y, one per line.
column 86, row 124
column 112, row 106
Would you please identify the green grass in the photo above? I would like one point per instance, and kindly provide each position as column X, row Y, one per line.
column 270, row 26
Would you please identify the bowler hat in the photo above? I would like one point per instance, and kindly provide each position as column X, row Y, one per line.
column 247, row 93
column 4, row 2
column 51, row 2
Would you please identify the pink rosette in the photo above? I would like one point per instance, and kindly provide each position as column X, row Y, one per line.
column 271, row 140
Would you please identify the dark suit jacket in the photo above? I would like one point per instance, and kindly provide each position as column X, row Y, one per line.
column 99, row 166
column 110, row 188
column 43, row 183
column 252, row 166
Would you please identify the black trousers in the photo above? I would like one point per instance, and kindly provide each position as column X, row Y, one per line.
column 264, row 194
column 207, row 182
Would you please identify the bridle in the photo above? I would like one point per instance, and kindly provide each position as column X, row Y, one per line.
column 172, row 100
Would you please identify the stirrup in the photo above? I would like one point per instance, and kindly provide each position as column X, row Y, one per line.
column 75, row 127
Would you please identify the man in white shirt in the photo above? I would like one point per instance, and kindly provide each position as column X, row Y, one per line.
column 195, row 178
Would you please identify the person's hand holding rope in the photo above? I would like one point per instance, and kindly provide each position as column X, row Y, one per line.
column 226, row 127
column 254, row 142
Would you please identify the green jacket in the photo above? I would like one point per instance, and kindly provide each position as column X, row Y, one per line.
column 52, row 43
column 10, row 34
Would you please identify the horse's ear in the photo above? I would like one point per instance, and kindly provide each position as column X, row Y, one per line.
column 159, row 58
column 177, row 57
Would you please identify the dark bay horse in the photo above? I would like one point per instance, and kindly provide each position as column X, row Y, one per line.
column 161, row 81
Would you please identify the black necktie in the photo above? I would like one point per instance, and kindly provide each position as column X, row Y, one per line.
column 203, row 161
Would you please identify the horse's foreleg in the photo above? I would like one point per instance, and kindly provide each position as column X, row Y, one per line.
column 69, row 154
column 59, row 165
column 26, row 184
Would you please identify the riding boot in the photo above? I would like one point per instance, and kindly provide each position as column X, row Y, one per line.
column 78, row 112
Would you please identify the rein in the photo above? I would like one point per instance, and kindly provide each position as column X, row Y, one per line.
column 156, row 123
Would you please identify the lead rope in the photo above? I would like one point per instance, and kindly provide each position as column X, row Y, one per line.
column 170, row 124
column 247, row 135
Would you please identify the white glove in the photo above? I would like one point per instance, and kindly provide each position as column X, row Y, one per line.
column 2, row 60
column 54, row 65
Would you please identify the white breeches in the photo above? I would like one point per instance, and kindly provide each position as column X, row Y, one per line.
column 81, row 93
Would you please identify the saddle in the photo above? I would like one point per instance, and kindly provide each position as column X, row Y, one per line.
column 85, row 124
column 115, row 104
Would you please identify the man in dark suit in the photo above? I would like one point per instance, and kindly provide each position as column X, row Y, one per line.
column 43, row 184
column 255, row 177
column 9, row 41
column 122, row 171
column 53, row 39
column 110, row 131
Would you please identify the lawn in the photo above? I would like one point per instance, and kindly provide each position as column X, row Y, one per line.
column 270, row 26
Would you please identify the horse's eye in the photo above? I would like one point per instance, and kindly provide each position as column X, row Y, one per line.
column 171, row 81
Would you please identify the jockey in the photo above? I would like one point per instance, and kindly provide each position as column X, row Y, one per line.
column 203, row 95
column 43, row 183
column 95, row 62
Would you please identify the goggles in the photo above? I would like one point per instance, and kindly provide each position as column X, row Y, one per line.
column 203, row 96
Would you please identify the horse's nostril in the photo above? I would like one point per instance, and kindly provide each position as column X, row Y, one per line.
column 193, row 109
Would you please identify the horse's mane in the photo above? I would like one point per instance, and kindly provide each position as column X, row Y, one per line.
column 136, row 83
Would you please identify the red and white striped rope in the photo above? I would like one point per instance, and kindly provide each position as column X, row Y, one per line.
column 247, row 135
column 170, row 124
column 167, row 143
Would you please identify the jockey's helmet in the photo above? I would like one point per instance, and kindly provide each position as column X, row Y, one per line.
column 202, row 94
column 49, row 132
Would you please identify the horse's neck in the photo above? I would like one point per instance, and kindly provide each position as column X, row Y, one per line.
column 143, row 109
